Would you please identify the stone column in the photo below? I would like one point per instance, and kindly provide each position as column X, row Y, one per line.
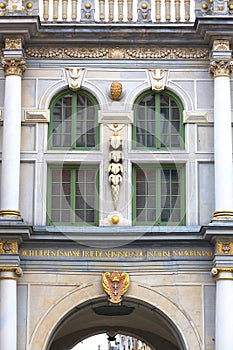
column 14, row 66
column 221, row 67
column 224, row 307
column 10, row 271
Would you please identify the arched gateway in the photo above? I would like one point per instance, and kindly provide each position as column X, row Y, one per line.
column 144, row 313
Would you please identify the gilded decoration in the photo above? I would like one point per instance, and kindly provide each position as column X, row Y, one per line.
column 9, row 212
column 116, row 53
column 221, row 68
column 15, row 269
column 14, row 66
column 115, row 285
column 12, row 44
column 158, row 78
column 226, row 270
column 115, row 168
column 116, row 89
column 223, row 215
column 74, row 77
column 8, row 247
column 224, row 248
column 221, row 45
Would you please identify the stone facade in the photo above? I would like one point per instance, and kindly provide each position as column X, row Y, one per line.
column 180, row 288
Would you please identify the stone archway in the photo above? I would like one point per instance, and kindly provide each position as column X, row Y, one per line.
column 132, row 317
column 154, row 318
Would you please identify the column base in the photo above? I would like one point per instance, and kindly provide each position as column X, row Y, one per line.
column 224, row 215
column 9, row 215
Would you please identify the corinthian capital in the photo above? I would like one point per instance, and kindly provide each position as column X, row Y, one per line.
column 221, row 68
column 14, row 66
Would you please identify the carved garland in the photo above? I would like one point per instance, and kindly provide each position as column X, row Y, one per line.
column 117, row 53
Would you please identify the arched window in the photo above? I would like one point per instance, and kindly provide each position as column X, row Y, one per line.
column 74, row 121
column 158, row 186
column 158, row 121
column 72, row 186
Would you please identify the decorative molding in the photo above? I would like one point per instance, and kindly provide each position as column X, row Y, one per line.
column 223, row 215
column 224, row 248
column 9, row 213
column 37, row 116
column 8, row 247
column 115, row 117
column 221, row 68
column 158, row 78
column 14, row 66
column 116, row 53
column 74, row 77
column 195, row 117
column 13, row 43
column 115, row 285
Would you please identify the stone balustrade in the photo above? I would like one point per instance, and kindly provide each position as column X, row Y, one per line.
column 116, row 11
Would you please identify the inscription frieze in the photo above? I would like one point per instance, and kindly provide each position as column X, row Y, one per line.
column 119, row 254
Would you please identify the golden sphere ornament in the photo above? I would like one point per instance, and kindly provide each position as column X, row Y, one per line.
column 115, row 219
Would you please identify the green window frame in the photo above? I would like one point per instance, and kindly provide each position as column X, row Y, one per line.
column 72, row 195
column 158, row 121
column 158, row 194
column 74, row 121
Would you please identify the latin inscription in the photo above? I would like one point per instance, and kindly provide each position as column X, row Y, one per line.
column 101, row 254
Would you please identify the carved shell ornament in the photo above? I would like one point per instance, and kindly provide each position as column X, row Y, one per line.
column 115, row 285
column 116, row 90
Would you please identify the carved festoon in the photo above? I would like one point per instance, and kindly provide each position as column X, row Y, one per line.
column 116, row 53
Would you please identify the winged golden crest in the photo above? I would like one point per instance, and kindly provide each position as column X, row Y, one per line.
column 115, row 285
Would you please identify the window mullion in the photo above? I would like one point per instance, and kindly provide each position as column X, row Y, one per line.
column 62, row 123
column 182, row 190
column 73, row 194
column 158, row 194
column 85, row 120
column 73, row 120
column 157, row 121
column 49, row 194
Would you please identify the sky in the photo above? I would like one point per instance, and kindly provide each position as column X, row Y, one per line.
column 97, row 342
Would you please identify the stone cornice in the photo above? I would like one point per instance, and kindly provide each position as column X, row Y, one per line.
column 202, row 33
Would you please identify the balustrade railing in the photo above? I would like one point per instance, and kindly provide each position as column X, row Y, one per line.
column 116, row 11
